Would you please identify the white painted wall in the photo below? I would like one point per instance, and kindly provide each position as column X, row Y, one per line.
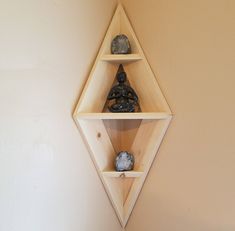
column 47, row 180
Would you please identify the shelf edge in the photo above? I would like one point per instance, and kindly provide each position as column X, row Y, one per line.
column 128, row 174
column 147, row 115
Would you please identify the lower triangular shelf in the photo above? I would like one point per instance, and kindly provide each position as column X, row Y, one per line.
column 105, row 138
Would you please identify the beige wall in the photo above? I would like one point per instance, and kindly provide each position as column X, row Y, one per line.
column 190, row 45
column 47, row 180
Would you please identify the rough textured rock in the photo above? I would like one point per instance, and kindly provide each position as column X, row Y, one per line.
column 124, row 161
column 120, row 45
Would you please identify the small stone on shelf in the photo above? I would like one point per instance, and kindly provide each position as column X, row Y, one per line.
column 120, row 45
column 124, row 161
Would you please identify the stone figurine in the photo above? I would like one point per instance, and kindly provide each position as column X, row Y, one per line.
column 124, row 161
column 124, row 96
column 120, row 45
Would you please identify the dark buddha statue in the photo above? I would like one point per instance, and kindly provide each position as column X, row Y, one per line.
column 125, row 98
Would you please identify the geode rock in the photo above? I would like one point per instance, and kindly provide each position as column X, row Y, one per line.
column 124, row 161
column 120, row 45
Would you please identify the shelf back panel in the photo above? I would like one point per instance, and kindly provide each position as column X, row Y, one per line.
column 122, row 133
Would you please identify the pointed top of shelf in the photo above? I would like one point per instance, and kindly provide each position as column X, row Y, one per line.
column 120, row 24
column 139, row 73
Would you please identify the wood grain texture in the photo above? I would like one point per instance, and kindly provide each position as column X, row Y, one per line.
column 106, row 134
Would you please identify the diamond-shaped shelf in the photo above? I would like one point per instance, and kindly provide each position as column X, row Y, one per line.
column 105, row 133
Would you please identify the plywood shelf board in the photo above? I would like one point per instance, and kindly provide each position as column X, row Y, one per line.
column 122, row 174
column 114, row 116
column 121, row 59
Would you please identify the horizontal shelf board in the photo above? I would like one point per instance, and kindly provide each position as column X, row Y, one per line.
column 122, row 174
column 135, row 115
column 121, row 58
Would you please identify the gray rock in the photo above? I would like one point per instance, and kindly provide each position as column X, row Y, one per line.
column 124, row 161
column 120, row 45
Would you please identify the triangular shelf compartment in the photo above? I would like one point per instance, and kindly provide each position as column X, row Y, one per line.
column 107, row 133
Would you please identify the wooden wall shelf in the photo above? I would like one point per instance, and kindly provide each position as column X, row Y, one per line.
column 105, row 133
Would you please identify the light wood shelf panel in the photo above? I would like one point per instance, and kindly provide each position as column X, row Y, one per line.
column 137, row 115
column 121, row 58
column 122, row 174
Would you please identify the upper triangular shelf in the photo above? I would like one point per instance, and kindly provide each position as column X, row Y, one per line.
column 107, row 133
column 121, row 25
column 138, row 71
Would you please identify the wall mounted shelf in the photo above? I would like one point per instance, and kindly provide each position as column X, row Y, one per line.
column 105, row 133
